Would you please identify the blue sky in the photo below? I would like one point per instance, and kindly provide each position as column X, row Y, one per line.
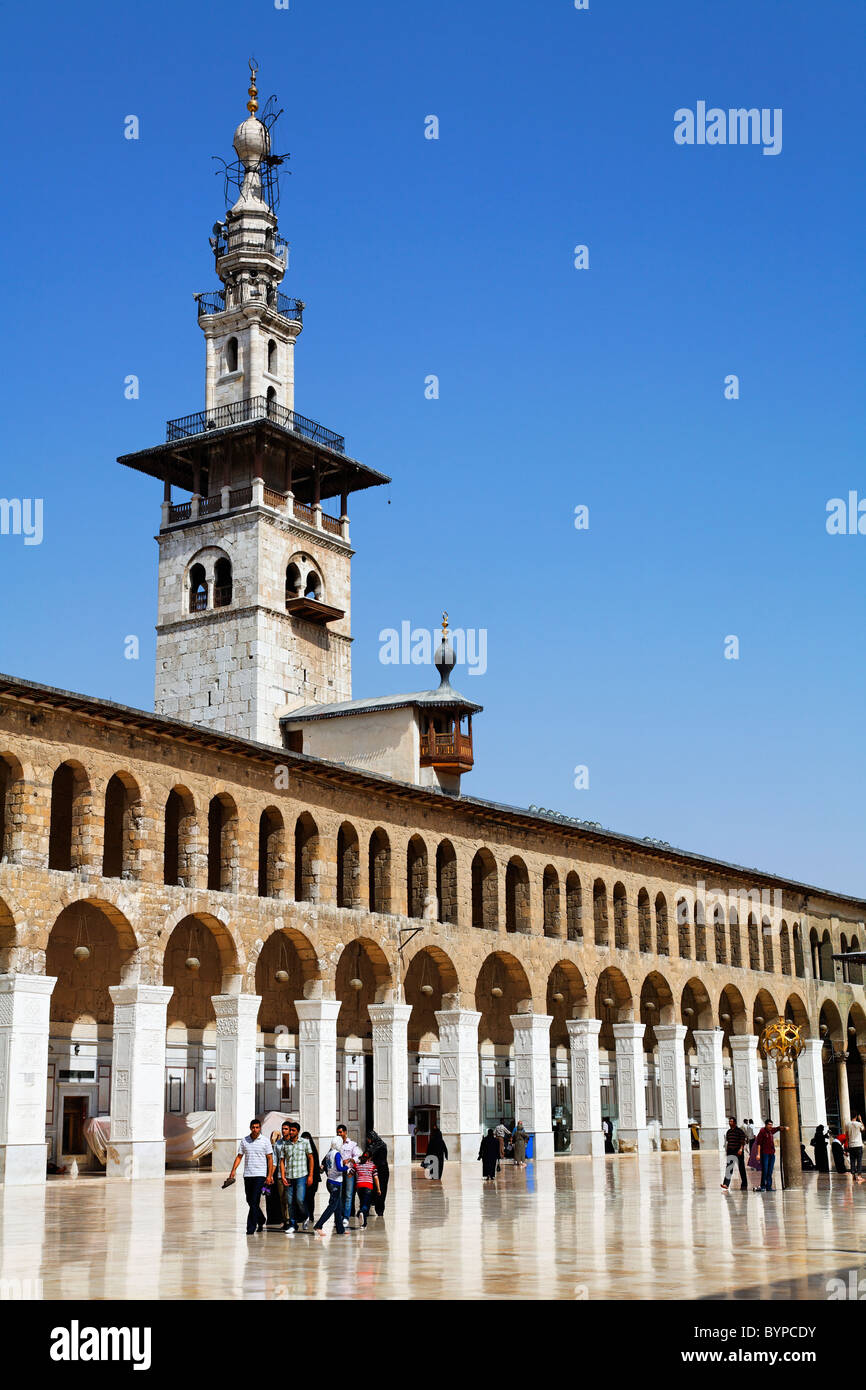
column 558, row 387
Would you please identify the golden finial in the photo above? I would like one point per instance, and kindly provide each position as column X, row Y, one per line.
column 444, row 627
column 252, row 104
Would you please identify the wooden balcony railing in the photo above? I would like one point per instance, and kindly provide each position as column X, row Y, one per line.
column 446, row 749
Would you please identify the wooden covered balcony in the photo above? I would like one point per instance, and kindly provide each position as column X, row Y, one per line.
column 447, row 748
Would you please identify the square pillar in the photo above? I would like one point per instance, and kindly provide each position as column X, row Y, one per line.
column 25, row 1001
column 136, row 1146
column 747, row 1094
column 459, row 1089
column 711, row 1079
column 586, row 1135
column 532, row 1079
column 317, row 1065
column 235, row 1103
column 391, row 1078
column 631, row 1085
column 810, row 1073
column 675, row 1135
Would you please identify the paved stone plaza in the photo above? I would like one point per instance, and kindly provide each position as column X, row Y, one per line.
column 574, row 1229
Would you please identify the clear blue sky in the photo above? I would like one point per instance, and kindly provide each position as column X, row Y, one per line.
column 558, row 387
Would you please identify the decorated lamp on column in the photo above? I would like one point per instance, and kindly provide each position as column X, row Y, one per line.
column 782, row 1042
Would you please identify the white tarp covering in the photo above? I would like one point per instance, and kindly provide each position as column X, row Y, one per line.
column 187, row 1137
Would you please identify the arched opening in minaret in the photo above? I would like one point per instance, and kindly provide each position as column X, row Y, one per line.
column 232, row 355
column 222, row 584
column 313, row 586
column 293, row 582
column 197, row 589
column 271, row 399
column 272, row 360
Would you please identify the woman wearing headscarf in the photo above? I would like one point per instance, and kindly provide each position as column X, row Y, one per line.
column 310, row 1198
column 518, row 1140
column 436, row 1152
column 819, row 1144
column 489, row 1156
column 838, row 1153
column 378, row 1151
column 332, row 1166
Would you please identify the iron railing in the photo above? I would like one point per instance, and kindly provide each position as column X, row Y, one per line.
column 253, row 408
column 276, row 246
column 282, row 304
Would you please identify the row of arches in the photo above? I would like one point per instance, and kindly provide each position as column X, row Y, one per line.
column 303, row 580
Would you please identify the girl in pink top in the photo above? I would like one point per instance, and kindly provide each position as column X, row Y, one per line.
column 368, row 1183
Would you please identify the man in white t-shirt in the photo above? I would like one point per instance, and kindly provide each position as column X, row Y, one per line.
column 854, row 1130
column 258, row 1157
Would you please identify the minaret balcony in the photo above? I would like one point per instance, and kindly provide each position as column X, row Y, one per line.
column 232, row 499
column 451, row 751
column 281, row 304
column 253, row 408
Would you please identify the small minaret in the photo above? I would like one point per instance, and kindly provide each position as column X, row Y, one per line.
column 254, row 606
column 250, row 327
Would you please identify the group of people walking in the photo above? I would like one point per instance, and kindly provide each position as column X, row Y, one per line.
column 823, row 1143
column 762, row 1152
column 286, row 1170
column 495, row 1147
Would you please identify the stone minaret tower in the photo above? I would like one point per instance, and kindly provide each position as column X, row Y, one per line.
column 254, row 573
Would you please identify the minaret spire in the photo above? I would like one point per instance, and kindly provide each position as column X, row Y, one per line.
column 252, row 104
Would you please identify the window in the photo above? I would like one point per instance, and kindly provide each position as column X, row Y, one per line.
column 232, row 355
column 222, row 586
column 197, row 589
column 272, row 360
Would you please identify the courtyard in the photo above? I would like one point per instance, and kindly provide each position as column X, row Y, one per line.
column 570, row 1229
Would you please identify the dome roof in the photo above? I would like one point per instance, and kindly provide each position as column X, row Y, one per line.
column 251, row 142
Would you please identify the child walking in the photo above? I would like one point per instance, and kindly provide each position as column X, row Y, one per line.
column 368, row 1183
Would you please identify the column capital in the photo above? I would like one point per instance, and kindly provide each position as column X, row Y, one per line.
column 457, row 1017
column 140, row 994
column 531, row 1023
column 743, row 1042
column 387, row 1013
column 628, row 1031
column 27, row 984
column 316, row 1010
column 240, row 1006
column 583, row 1027
column 670, row 1032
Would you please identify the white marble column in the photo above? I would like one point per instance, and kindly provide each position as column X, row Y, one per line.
column 391, row 1078
column 532, row 1102
column 672, row 1086
column 236, row 1016
column 772, row 1092
column 586, row 1135
column 810, row 1074
column 459, row 1093
column 136, row 1147
column 24, row 1008
column 317, row 1063
column 747, row 1095
column 711, row 1079
column 631, row 1086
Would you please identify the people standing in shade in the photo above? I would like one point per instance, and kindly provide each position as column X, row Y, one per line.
column 502, row 1133
column 854, row 1130
column 258, row 1160
column 488, row 1153
column 735, row 1142
column 749, row 1131
column 332, row 1166
column 350, row 1154
column 607, row 1131
column 518, row 1140
column 317, row 1178
column 378, row 1151
column 819, row 1145
column 296, row 1174
column 767, row 1147
column 838, row 1152
column 367, row 1185
column 437, row 1153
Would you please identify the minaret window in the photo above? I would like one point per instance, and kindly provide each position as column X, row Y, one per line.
column 232, row 355
column 197, row 589
column 293, row 582
column 313, row 586
column 272, row 358
column 272, row 400
column 222, row 588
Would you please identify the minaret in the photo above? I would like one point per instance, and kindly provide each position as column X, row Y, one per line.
column 254, row 600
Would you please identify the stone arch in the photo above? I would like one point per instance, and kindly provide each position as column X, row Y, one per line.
column 799, row 962
column 446, row 882
column 700, row 925
column 813, row 954
column 289, row 952
column 348, row 866
column 620, row 917
column 764, row 1010
column 485, row 891
column 600, row 924
column 550, row 897
column 504, row 973
column 361, row 959
column 70, row 817
column 180, row 834
column 8, row 937
column 855, row 968
column 684, row 929
column 613, row 1004
column 825, row 958
column 733, row 1014
column 767, row 935
column 379, row 871
column 121, row 833
column 796, row 1011
column 306, row 859
column 566, row 998
column 784, row 948
column 754, row 938
column 573, row 907
column 272, row 853
column 203, row 938
column 657, row 1005
column 430, row 975
column 662, row 933
column 81, row 994
column 644, row 922
column 735, row 938
column 13, row 802
column 696, row 1007
column 517, row 904
column 222, row 844
column 417, row 877
column 720, row 938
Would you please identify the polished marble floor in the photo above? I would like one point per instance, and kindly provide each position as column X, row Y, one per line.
column 613, row 1228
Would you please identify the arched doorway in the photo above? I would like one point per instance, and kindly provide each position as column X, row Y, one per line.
column 363, row 978
column 430, row 977
column 284, row 969
column 501, row 988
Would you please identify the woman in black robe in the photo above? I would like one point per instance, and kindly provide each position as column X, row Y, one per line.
column 819, row 1143
column 489, row 1155
column 838, row 1154
column 310, row 1199
column 378, row 1151
column 436, row 1151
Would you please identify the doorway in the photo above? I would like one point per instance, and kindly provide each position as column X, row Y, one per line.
column 75, row 1116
